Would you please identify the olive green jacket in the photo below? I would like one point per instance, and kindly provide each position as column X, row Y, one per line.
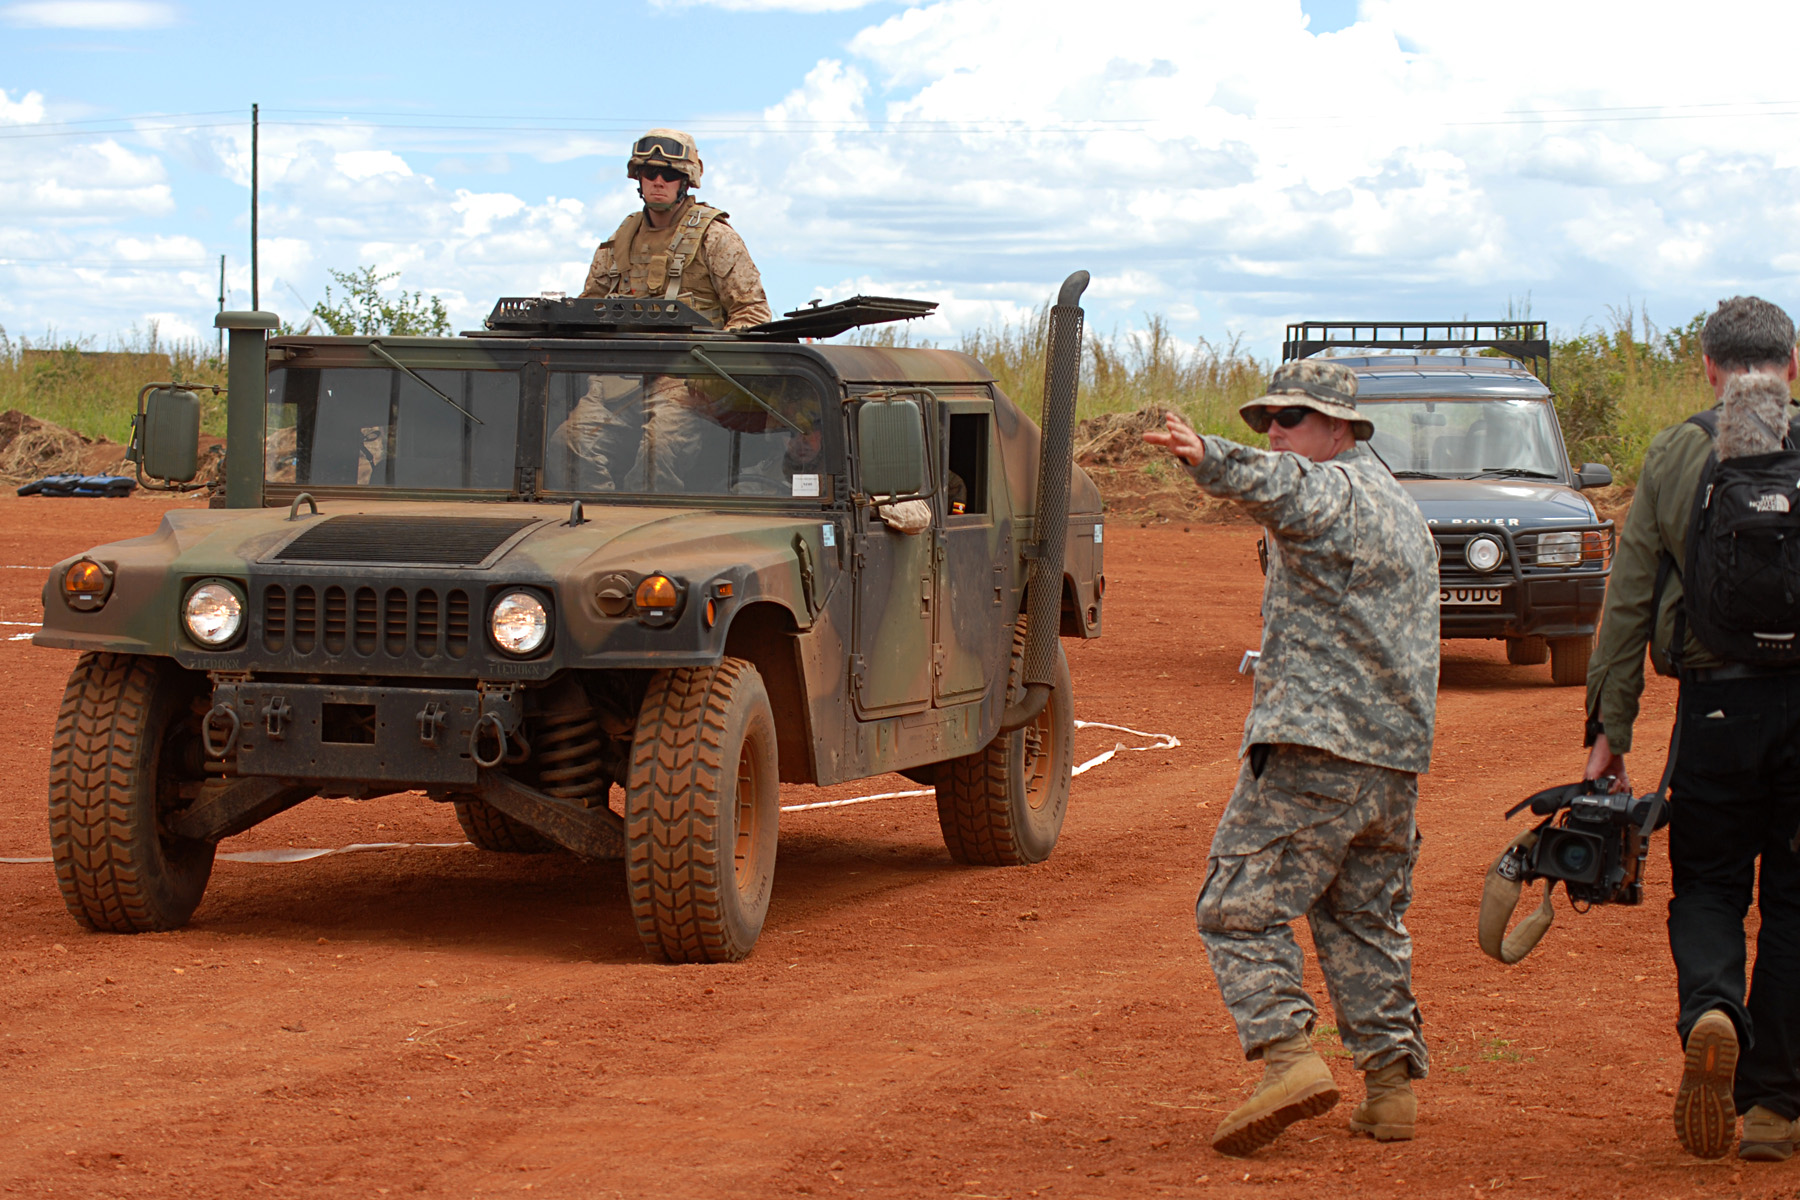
column 1658, row 521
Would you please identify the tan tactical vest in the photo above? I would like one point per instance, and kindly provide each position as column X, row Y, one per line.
column 659, row 262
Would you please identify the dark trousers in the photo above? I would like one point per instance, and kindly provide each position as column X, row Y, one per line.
column 1736, row 796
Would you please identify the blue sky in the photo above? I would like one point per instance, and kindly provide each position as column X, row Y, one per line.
column 1231, row 166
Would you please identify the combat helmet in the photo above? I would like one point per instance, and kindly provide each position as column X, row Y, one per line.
column 666, row 148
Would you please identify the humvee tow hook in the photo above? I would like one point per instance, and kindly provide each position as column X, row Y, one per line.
column 1062, row 373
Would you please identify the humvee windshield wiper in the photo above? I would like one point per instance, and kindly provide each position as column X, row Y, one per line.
column 381, row 353
column 716, row 369
column 1518, row 473
column 1415, row 475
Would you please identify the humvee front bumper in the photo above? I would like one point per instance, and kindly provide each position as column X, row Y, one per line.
column 1524, row 596
column 367, row 735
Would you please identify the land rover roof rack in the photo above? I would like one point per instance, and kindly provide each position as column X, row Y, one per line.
column 818, row 320
column 1522, row 339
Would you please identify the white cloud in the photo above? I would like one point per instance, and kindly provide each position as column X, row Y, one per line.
column 90, row 14
column 26, row 110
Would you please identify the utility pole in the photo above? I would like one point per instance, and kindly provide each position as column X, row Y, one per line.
column 255, row 282
column 221, row 306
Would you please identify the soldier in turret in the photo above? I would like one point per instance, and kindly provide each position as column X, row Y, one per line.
column 674, row 248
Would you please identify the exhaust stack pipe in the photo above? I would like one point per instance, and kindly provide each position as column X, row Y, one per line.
column 1050, row 525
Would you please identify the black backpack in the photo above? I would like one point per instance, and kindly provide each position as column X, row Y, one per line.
column 1741, row 581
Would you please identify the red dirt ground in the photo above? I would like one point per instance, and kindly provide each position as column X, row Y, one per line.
column 447, row 1022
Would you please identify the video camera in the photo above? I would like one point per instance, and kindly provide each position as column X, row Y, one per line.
column 1598, row 846
column 1591, row 840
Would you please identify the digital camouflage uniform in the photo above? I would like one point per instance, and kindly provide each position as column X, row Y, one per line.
column 1345, row 698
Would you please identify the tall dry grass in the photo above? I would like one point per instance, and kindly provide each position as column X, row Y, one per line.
column 94, row 390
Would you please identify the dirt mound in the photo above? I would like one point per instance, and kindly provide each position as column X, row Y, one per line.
column 1138, row 481
column 31, row 449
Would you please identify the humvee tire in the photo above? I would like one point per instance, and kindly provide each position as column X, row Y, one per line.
column 1003, row 805
column 112, row 762
column 1526, row 651
column 1569, row 659
column 491, row 829
column 702, row 802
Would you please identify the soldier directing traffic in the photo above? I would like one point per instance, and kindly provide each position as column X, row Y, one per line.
column 676, row 247
column 1321, row 822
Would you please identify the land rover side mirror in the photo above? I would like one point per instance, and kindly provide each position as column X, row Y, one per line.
column 1593, row 475
column 890, row 438
column 166, row 447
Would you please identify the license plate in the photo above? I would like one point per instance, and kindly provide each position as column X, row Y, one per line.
column 1469, row 595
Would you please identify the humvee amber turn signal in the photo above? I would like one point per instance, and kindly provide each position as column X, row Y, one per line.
column 86, row 585
column 658, row 600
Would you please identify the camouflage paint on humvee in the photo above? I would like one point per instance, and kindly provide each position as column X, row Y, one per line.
column 517, row 568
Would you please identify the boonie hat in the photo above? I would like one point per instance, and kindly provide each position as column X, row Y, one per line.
column 1315, row 383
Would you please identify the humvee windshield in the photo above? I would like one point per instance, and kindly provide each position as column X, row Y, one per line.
column 685, row 432
column 1465, row 439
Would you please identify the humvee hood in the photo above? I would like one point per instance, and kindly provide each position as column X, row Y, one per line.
column 1515, row 503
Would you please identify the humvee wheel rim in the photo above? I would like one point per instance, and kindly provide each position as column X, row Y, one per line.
column 748, row 849
column 1039, row 753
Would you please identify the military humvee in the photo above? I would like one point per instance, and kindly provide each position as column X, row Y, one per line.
column 1474, row 439
column 595, row 547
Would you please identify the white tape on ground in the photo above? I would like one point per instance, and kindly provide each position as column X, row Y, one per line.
column 1159, row 741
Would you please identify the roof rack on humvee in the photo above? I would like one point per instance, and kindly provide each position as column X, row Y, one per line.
column 1525, row 339
column 537, row 316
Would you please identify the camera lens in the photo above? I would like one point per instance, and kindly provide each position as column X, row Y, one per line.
column 1573, row 857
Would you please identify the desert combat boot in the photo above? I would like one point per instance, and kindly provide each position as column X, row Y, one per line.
column 1768, row 1136
column 1705, row 1114
column 1296, row 1084
column 1391, row 1110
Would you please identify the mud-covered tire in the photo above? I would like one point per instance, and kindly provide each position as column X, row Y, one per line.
column 491, row 829
column 112, row 769
column 702, row 805
column 1527, row 651
column 1003, row 806
column 1569, row 659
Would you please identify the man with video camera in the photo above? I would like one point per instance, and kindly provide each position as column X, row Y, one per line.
column 1735, row 781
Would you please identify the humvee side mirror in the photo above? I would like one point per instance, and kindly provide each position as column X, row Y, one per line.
column 1593, row 475
column 890, row 437
column 168, row 434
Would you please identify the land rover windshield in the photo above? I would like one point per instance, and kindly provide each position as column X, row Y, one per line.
column 1466, row 439
column 674, row 426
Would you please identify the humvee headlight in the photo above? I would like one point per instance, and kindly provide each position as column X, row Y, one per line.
column 1483, row 553
column 519, row 623
column 213, row 613
column 1560, row 549
column 658, row 600
column 86, row 585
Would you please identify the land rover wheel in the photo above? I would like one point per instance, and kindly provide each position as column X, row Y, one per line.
column 1569, row 659
column 1526, row 651
column 1003, row 805
column 491, row 829
column 124, row 742
column 702, row 802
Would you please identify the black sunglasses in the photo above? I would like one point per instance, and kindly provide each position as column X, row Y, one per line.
column 666, row 174
column 658, row 144
column 1287, row 418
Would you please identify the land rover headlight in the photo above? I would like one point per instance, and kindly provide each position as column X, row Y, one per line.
column 1560, row 549
column 213, row 613
column 519, row 624
column 1483, row 553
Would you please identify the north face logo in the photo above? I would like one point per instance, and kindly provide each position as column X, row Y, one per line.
column 1774, row 502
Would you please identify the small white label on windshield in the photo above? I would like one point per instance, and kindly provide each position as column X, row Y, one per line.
column 806, row 485
column 1099, row 534
column 829, row 534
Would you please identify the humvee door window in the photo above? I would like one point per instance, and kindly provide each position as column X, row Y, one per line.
column 967, row 488
column 1460, row 439
column 379, row 427
column 693, row 433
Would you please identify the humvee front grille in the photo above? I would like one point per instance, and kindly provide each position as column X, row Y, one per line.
column 398, row 622
column 402, row 540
